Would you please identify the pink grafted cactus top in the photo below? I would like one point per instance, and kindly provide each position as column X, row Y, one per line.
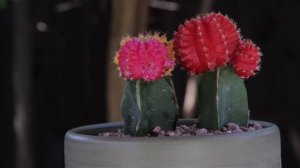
column 145, row 57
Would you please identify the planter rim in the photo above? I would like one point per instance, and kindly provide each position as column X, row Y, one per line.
column 84, row 133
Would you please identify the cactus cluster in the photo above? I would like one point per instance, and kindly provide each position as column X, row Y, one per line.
column 209, row 46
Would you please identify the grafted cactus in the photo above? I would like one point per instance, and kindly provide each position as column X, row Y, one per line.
column 149, row 100
column 208, row 45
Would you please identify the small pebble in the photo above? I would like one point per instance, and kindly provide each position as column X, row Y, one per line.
column 161, row 133
column 156, row 129
column 232, row 126
column 186, row 128
column 193, row 127
column 237, row 130
column 179, row 129
column 106, row 134
column 251, row 129
column 201, row 131
column 257, row 126
column 170, row 133
column 178, row 132
column 229, row 132
column 224, row 129
column 244, row 128
column 218, row 132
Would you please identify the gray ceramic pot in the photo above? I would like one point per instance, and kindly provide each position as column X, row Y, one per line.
column 83, row 149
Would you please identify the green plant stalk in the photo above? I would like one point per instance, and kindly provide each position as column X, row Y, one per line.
column 146, row 105
column 222, row 99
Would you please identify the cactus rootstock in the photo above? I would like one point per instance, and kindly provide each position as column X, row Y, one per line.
column 206, row 42
column 222, row 99
column 147, row 104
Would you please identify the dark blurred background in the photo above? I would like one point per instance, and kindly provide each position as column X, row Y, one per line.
column 57, row 71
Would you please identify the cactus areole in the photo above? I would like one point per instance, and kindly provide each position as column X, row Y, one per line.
column 149, row 99
column 211, row 46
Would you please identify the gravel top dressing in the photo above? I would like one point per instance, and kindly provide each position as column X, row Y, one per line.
column 184, row 130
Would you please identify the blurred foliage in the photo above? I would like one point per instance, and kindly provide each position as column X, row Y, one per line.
column 2, row 4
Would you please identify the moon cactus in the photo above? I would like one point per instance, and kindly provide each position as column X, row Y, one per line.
column 211, row 46
column 149, row 99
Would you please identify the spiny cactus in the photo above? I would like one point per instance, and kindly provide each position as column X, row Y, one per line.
column 144, row 58
column 149, row 99
column 205, row 43
column 247, row 59
column 208, row 45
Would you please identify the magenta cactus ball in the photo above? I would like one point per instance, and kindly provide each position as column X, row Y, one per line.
column 144, row 57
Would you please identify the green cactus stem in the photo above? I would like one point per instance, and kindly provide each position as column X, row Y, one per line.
column 147, row 104
column 222, row 99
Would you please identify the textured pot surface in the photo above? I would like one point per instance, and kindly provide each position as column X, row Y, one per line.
column 83, row 149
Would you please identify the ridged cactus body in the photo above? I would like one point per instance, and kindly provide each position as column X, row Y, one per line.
column 146, row 105
column 149, row 100
column 222, row 99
